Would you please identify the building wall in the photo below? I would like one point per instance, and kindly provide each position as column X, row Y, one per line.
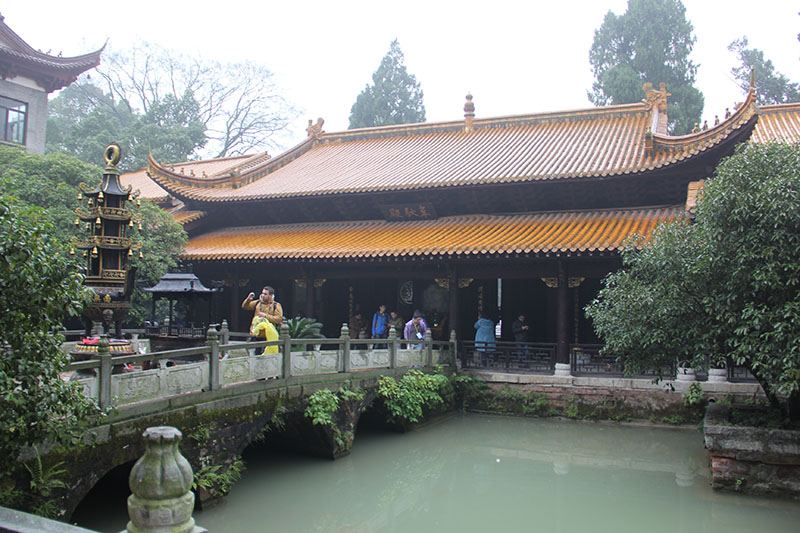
column 27, row 91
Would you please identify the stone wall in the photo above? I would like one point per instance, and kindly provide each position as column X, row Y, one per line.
column 749, row 459
column 637, row 397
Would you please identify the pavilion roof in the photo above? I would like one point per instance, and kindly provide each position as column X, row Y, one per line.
column 18, row 58
column 590, row 143
column 466, row 236
column 179, row 283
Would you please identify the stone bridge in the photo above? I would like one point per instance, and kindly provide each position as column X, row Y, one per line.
column 231, row 398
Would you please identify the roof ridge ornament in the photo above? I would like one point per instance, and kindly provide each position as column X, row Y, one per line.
column 469, row 113
column 656, row 97
column 315, row 130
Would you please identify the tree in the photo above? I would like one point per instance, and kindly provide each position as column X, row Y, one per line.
column 39, row 286
column 395, row 97
column 725, row 287
column 51, row 181
column 772, row 87
column 650, row 42
column 83, row 120
column 238, row 103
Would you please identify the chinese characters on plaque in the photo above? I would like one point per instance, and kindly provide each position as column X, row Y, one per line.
column 419, row 211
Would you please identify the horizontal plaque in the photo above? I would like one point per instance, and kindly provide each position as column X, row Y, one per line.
column 418, row 211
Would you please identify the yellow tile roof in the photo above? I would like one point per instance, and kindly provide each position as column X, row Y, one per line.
column 184, row 216
column 208, row 170
column 778, row 123
column 596, row 142
column 458, row 236
column 139, row 180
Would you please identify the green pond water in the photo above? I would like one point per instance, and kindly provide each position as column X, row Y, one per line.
column 489, row 473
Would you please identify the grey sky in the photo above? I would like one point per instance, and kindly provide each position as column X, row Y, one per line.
column 515, row 57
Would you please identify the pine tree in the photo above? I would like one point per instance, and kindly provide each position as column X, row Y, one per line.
column 394, row 98
column 650, row 42
column 772, row 87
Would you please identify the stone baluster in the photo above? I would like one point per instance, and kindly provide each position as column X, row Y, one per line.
column 105, row 372
column 224, row 335
column 161, row 482
column 345, row 337
column 428, row 349
column 212, row 340
column 287, row 351
column 392, row 338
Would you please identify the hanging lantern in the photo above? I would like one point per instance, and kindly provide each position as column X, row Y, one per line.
column 139, row 227
column 97, row 223
column 72, row 252
column 140, row 254
column 138, row 203
column 130, row 252
column 77, row 223
column 100, row 196
column 130, row 223
column 85, row 253
column 80, row 197
column 94, row 252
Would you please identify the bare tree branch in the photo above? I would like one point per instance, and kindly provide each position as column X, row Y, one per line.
column 239, row 103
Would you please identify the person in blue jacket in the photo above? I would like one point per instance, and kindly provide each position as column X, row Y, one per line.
column 380, row 325
column 484, row 337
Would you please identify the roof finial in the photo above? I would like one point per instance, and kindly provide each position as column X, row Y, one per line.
column 469, row 113
column 315, row 130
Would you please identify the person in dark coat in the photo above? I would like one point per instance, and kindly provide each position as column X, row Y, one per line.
column 520, row 330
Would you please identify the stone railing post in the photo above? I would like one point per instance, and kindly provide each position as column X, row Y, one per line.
column 345, row 336
column 212, row 340
column 104, row 375
column 161, row 482
column 287, row 351
column 453, row 348
column 428, row 348
column 392, row 338
column 224, row 335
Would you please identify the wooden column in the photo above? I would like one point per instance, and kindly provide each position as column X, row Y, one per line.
column 453, row 293
column 235, row 302
column 562, row 315
column 309, row 296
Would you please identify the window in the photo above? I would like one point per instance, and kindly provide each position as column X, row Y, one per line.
column 13, row 114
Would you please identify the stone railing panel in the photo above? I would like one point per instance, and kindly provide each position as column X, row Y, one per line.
column 315, row 362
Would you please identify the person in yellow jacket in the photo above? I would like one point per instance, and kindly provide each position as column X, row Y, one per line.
column 267, row 316
column 262, row 328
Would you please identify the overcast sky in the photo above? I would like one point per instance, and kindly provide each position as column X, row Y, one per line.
column 515, row 57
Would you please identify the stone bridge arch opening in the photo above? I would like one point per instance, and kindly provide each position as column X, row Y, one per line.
column 106, row 500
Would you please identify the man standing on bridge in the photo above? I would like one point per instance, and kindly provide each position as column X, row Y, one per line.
column 265, row 306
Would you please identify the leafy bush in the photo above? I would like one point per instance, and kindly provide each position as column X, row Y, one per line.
column 406, row 399
column 39, row 286
column 304, row 328
column 213, row 479
column 694, row 395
